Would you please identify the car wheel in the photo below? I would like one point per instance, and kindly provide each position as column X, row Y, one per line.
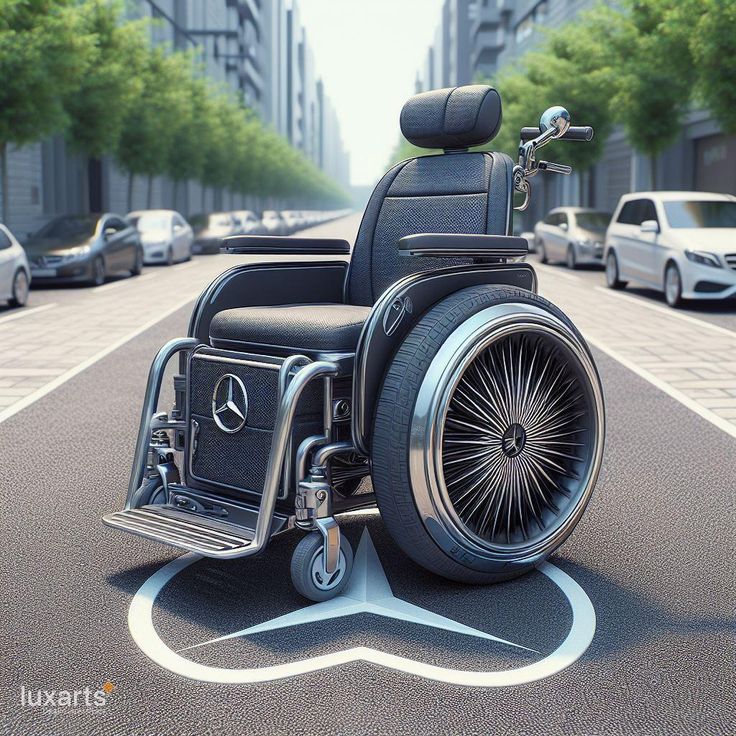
column 138, row 264
column 673, row 285
column 542, row 252
column 98, row 271
column 571, row 259
column 20, row 289
column 170, row 256
column 612, row 275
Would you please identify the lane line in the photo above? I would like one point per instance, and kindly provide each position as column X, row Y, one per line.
column 665, row 310
column 77, row 369
column 25, row 312
column 557, row 272
column 710, row 416
column 121, row 282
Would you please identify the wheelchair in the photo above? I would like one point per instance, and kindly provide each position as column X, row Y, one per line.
column 424, row 376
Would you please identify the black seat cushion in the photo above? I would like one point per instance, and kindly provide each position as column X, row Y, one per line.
column 302, row 328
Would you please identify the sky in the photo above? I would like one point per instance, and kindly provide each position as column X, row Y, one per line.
column 368, row 53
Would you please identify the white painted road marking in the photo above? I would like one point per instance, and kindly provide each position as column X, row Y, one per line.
column 577, row 641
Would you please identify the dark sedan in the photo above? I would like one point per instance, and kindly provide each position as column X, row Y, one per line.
column 84, row 249
column 209, row 230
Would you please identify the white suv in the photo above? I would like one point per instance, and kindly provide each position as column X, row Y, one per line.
column 681, row 243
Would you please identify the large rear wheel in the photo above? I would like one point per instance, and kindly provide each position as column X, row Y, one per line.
column 488, row 435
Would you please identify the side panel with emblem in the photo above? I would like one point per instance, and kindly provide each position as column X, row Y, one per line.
column 233, row 400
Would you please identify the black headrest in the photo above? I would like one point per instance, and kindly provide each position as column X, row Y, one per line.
column 456, row 117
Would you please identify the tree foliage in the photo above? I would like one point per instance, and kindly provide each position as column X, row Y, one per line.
column 79, row 67
column 638, row 66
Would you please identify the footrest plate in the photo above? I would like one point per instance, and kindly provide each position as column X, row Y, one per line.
column 184, row 529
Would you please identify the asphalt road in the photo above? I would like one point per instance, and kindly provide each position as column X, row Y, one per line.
column 654, row 554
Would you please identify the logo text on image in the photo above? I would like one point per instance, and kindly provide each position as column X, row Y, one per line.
column 86, row 697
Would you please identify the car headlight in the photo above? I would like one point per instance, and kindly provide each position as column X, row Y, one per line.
column 703, row 258
column 76, row 254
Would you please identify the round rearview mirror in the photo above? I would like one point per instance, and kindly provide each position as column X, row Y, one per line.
column 555, row 117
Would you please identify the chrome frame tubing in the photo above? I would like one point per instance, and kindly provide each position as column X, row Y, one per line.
column 281, row 435
column 150, row 404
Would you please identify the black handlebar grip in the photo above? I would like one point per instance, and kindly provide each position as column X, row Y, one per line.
column 574, row 133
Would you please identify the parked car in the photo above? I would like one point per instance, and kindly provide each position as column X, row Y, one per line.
column 165, row 235
column 574, row 235
column 294, row 220
column 84, row 249
column 15, row 273
column 680, row 243
column 247, row 223
column 274, row 223
column 209, row 230
column 528, row 236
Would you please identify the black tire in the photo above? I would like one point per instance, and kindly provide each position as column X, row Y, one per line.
column 392, row 430
column 542, row 251
column 170, row 256
column 20, row 289
column 673, row 285
column 612, row 273
column 98, row 271
column 138, row 263
column 151, row 491
column 571, row 259
column 307, row 556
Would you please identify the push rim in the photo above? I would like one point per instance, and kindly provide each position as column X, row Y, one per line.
column 517, row 439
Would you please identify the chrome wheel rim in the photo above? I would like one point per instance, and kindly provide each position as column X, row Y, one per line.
column 20, row 288
column 672, row 285
column 516, row 444
column 317, row 572
column 429, row 487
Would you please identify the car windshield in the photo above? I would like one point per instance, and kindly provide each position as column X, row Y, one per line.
column 150, row 222
column 593, row 220
column 701, row 213
column 69, row 227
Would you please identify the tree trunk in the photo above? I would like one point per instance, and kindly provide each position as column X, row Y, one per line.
column 653, row 171
column 149, row 196
column 4, row 180
column 131, row 176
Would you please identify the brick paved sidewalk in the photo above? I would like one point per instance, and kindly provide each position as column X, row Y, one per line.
column 692, row 360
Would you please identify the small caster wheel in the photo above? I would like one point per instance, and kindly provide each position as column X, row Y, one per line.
column 307, row 569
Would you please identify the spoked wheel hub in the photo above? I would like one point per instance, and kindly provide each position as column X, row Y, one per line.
column 512, row 439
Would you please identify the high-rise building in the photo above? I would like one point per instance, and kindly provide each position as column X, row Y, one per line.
column 257, row 48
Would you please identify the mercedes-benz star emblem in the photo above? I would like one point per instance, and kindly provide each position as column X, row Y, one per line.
column 229, row 404
column 368, row 592
column 513, row 440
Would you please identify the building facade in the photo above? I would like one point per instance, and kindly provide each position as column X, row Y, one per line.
column 499, row 33
column 257, row 48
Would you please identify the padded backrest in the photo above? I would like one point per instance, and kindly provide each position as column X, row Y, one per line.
column 454, row 192
column 449, row 193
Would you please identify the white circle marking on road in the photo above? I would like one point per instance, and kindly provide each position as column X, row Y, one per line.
column 140, row 623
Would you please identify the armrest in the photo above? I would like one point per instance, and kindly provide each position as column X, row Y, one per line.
column 439, row 245
column 278, row 245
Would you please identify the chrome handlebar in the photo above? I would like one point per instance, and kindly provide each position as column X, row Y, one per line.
column 553, row 125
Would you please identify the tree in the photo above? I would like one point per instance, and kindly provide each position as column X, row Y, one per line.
column 655, row 75
column 147, row 134
column 98, row 106
column 44, row 53
column 713, row 44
